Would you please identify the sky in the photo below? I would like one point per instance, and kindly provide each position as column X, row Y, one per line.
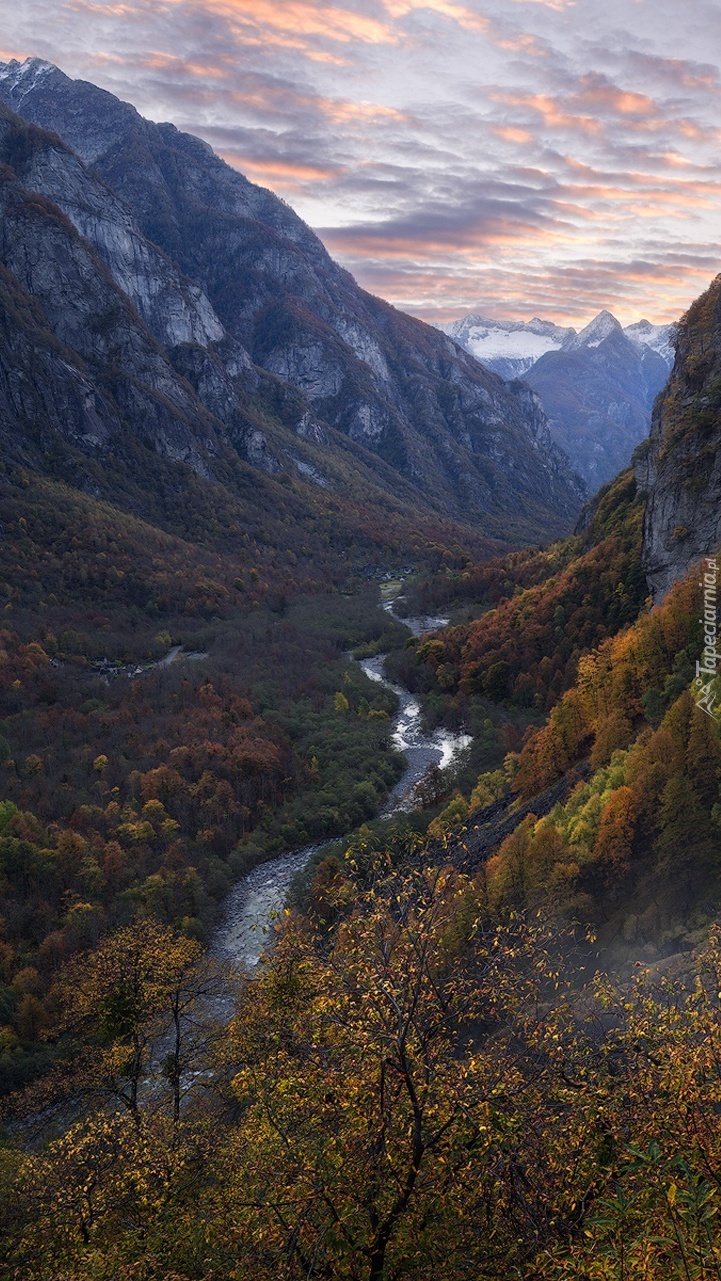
column 509, row 157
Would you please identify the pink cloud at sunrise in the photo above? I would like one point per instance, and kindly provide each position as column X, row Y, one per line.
column 514, row 157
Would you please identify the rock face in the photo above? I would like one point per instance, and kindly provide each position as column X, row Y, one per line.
column 597, row 386
column 680, row 465
column 245, row 302
column 76, row 360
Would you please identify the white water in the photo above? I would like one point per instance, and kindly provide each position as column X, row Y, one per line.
column 257, row 901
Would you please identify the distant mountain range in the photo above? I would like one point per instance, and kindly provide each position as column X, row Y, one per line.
column 597, row 386
column 512, row 347
column 169, row 301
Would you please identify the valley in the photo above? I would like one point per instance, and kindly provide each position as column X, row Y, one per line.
column 360, row 808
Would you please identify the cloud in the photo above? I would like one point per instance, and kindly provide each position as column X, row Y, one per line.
column 675, row 73
column 556, row 155
column 301, row 19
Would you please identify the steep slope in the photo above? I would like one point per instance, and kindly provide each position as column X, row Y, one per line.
column 598, row 391
column 538, row 611
column 99, row 366
column 193, row 438
column 635, row 847
column 472, row 445
column 610, row 812
column 680, row 466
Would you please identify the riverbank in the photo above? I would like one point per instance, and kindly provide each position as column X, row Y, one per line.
column 257, row 900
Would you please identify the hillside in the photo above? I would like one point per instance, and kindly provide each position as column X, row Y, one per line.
column 610, row 811
column 539, row 611
column 436, row 1016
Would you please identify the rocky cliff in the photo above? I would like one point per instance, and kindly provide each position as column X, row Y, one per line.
column 245, row 301
column 77, row 362
column 680, row 465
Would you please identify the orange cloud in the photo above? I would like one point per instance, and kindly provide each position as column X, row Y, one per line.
column 688, row 75
column 303, row 18
column 509, row 134
column 468, row 249
column 365, row 113
column 171, row 62
column 457, row 12
column 283, row 176
column 552, row 114
column 275, row 40
column 104, row 10
column 697, row 133
column 468, row 20
column 550, row 4
column 336, row 111
column 596, row 92
column 674, row 160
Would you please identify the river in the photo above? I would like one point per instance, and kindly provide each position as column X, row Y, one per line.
column 257, row 900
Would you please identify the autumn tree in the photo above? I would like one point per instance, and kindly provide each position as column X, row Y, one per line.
column 143, row 1007
column 380, row 1090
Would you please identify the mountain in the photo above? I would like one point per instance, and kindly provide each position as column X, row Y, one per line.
column 598, row 391
column 177, row 703
column 250, row 311
column 508, row 347
column 596, row 331
column 511, row 347
column 597, row 386
column 679, row 466
column 660, row 338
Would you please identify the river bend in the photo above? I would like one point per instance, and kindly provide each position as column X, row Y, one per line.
column 257, row 900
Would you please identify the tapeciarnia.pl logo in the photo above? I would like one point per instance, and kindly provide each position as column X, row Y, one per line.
column 707, row 669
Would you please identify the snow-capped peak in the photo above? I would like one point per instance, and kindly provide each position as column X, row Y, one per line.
column 509, row 347
column 660, row 338
column 600, row 328
column 25, row 75
column 512, row 347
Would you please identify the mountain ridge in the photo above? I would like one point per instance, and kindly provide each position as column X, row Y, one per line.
column 485, row 338
column 463, row 438
column 597, row 386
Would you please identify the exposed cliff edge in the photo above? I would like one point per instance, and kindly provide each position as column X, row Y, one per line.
column 679, row 466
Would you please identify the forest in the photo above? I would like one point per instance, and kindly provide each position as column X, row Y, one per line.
column 476, row 1050
column 132, row 785
column 360, row 791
